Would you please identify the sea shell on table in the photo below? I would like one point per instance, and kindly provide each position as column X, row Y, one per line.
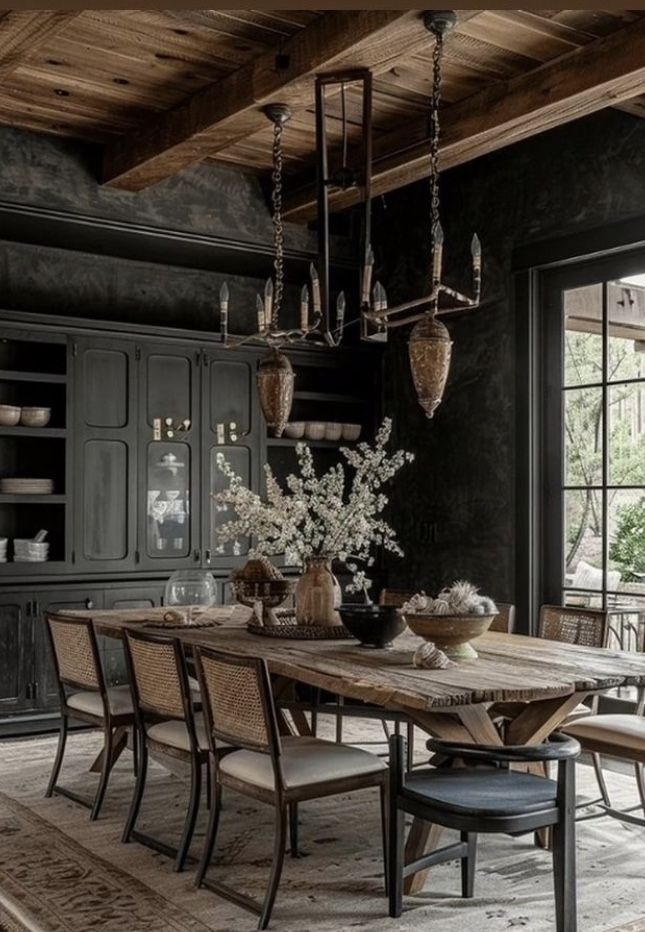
column 429, row 657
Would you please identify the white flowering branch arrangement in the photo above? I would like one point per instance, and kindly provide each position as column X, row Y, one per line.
column 333, row 515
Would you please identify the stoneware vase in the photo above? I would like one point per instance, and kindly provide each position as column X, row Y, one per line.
column 318, row 594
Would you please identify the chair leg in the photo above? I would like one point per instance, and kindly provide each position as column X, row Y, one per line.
column 211, row 831
column 105, row 775
column 191, row 814
column 640, row 783
column 468, row 865
column 600, row 779
column 58, row 760
column 564, row 875
column 384, row 832
column 314, row 712
column 139, row 787
column 276, row 867
column 410, row 745
column 339, row 719
column 395, row 859
column 293, row 830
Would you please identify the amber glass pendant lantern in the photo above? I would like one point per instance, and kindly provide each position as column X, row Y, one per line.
column 430, row 346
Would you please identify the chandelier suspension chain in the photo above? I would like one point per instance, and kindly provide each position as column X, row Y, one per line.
column 437, row 54
column 278, row 228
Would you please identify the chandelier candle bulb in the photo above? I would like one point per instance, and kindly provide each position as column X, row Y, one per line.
column 304, row 308
column 223, row 309
column 476, row 252
column 437, row 254
column 315, row 290
column 368, row 269
column 340, row 310
column 268, row 302
column 259, row 303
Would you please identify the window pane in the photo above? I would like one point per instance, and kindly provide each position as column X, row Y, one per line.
column 626, row 540
column 583, row 335
column 583, row 436
column 626, row 324
column 583, row 540
column 627, row 434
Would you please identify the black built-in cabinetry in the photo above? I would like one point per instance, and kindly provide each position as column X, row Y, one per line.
column 129, row 508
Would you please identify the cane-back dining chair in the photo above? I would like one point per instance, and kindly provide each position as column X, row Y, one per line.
column 282, row 771
column 620, row 737
column 504, row 621
column 85, row 697
column 486, row 798
column 166, row 723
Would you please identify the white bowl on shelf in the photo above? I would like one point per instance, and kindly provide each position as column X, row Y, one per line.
column 315, row 430
column 295, row 430
column 333, row 431
column 351, row 431
column 35, row 417
column 9, row 415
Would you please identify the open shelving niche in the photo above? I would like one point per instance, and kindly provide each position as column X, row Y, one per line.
column 33, row 372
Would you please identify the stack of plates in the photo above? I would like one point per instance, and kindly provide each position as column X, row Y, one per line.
column 27, row 486
column 3, row 549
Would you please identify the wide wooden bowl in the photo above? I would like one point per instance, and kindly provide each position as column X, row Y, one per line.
column 451, row 633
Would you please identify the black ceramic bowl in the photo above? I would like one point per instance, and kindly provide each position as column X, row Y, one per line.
column 373, row 625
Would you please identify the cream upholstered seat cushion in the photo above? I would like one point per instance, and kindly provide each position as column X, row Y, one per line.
column 119, row 697
column 624, row 732
column 175, row 733
column 305, row 762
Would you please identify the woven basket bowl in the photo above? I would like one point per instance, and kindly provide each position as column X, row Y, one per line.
column 451, row 633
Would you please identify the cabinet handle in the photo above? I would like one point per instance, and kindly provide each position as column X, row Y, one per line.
column 89, row 603
column 196, row 555
column 208, row 556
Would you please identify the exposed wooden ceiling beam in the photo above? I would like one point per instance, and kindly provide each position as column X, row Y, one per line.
column 24, row 31
column 230, row 110
column 601, row 74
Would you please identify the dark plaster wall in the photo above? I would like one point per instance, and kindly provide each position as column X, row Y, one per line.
column 456, row 512
column 208, row 199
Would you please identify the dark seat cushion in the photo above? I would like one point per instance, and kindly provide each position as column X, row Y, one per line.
column 486, row 790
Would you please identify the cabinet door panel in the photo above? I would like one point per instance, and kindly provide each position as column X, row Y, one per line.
column 229, row 392
column 169, row 386
column 105, row 491
column 105, row 385
column 15, row 654
column 240, row 461
column 168, row 487
column 105, row 446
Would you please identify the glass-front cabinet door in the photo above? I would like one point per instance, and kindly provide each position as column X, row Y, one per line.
column 169, row 452
column 231, row 429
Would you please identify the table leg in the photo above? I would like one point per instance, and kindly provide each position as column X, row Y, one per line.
column 119, row 744
column 284, row 688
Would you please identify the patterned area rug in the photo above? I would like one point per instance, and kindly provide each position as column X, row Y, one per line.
column 60, row 872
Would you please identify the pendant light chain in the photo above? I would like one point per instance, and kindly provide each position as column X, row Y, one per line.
column 435, row 100
column 278, row 229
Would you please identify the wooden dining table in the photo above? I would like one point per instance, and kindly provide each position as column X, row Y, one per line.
column 542, row 680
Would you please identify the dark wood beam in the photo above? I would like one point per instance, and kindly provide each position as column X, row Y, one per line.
column 601, row 74
column 22, row 32
column 230, row 110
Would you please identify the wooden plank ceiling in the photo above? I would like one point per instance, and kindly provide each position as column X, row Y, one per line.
column 163, row 90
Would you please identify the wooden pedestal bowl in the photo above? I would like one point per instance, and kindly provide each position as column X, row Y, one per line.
column 450, row 633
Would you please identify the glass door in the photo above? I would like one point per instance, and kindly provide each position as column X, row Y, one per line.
column 593, row 442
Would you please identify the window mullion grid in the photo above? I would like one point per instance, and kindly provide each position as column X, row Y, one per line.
column 605, row 440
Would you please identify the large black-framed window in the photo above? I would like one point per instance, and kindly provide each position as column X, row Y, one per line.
column 587, row 401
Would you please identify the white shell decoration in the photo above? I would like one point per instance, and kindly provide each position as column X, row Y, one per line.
column 429, row 657
column 462, row 598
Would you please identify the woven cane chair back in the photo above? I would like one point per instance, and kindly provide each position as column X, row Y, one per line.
column 74, row 644
column 155, row 668
column 505, row 619
column 585, row 626
column 394, row 597
column 237, row 693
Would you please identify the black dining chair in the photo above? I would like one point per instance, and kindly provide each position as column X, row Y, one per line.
column 490, row 798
